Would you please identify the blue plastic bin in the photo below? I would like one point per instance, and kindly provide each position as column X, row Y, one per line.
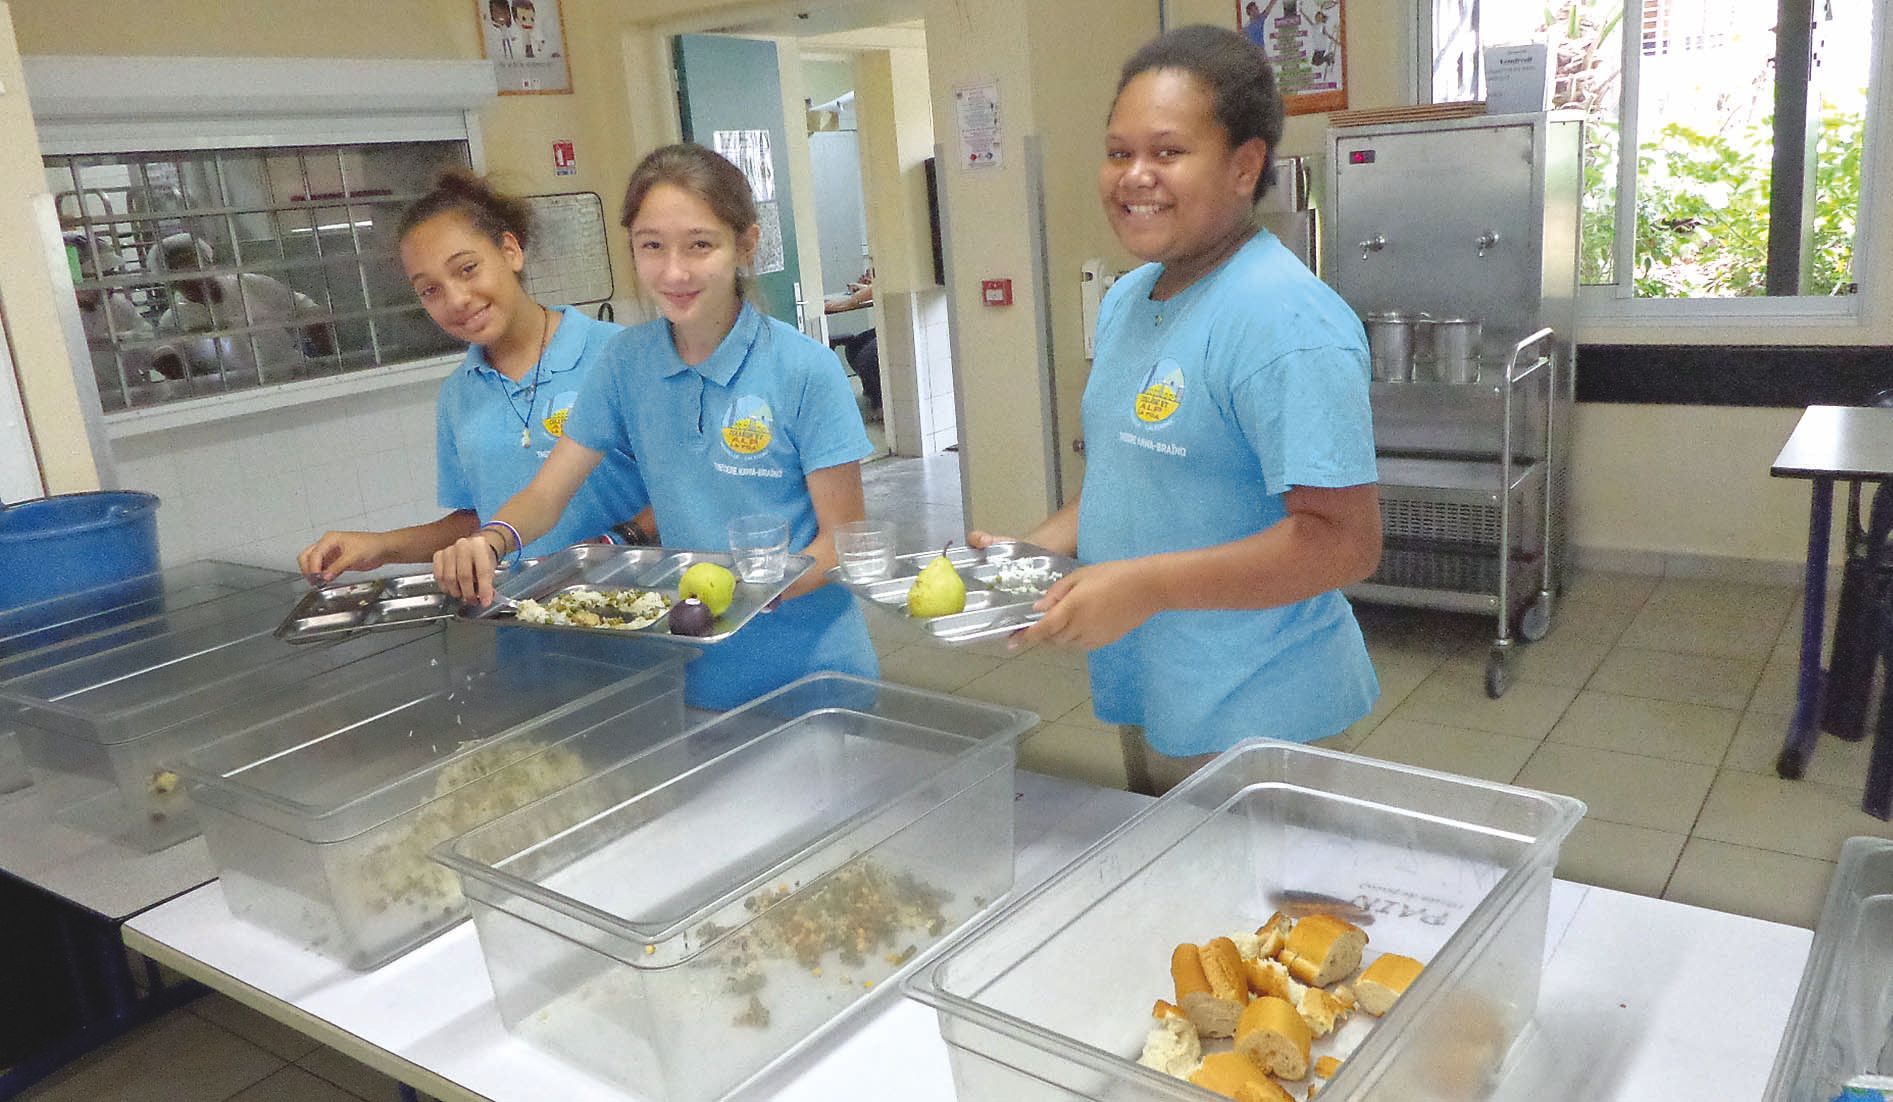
column 71, row 543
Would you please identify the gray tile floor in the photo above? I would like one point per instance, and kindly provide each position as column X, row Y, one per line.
column 1658, row 701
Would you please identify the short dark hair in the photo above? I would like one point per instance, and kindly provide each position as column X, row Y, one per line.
column 1236, row 74
column 491, row 212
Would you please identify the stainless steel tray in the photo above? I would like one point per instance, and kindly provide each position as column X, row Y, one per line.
column 989, row 611
column 370, row 604
column 603, row 566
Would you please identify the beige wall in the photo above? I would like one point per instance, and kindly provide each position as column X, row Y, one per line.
column 28, row 298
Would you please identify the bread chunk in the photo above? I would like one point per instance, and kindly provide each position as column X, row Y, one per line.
column 1273, row 1036
column 1322, row 949
column 1385, row 981
column 1211, row 986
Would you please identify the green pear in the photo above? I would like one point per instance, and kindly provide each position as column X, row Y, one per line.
column 937, row 591
column 710, row 583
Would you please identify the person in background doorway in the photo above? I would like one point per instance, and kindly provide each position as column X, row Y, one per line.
column 291, row 324
column 862, row 350
column 729, row 412
column 1229, row 486
column 463, row 246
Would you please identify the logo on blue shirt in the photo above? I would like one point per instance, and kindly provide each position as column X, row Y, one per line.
column 749, row 426
column 1161, row 394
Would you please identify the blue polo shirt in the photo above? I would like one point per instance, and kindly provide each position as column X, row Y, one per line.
column 737, row 434
column 479, row 463
column 1200, row 413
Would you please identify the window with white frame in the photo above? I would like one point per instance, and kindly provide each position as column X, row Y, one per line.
column 205, row 271
column 1683, row 140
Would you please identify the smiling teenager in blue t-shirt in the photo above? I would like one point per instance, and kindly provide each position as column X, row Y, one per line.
column 1229, row 487
column 728, row 413
column 463, row 246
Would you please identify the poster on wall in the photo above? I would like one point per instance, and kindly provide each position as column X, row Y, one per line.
column 1306, row 40
column 976, row 109
column 749, row 150
column 525, row 41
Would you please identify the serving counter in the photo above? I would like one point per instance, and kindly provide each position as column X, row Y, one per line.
column 1640, row 999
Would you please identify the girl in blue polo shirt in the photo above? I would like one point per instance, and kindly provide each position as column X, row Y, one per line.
column 1229, row 487
column 729, row 412
column 463, row 246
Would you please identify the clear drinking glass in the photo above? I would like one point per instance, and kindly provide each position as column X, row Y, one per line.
column 865, row 550
column 760, row 545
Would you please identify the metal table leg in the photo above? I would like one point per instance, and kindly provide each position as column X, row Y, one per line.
column 1804, row 728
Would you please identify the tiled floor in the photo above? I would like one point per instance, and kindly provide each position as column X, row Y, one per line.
column 1659, row 702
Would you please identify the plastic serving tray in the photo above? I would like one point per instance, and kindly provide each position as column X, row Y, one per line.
column 1841, row 1024
column 1050, row 998
column 681, row 921
column 989, row 610
column 322, row 803
column 605, row 566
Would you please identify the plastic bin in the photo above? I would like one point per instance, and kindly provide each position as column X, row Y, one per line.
column 321, row 805
column 1051, row 997
column 115, row 721
column 58, row 630
column 1842, row 1019
column 72, row 542
column 681, row 921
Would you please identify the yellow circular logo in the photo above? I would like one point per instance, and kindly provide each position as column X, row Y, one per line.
column 1162, row 393
column 746, row 436
column 555, row 424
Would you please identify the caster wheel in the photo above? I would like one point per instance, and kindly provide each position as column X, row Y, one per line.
column 1536, row 622
column 1497, row 677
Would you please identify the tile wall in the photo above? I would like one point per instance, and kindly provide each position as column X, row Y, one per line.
column 259, row 488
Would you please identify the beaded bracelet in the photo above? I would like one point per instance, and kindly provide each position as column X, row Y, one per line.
column 518, row 544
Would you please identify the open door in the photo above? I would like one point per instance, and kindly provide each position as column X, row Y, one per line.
column 729, row 97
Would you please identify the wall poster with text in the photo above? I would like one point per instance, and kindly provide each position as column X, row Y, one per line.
column 1307, row 42
column 525, row 41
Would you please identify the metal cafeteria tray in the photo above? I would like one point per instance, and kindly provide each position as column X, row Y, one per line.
column 372, row 604
column 989, row 611
column 607, row 567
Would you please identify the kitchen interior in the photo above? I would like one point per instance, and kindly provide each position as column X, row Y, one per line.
column 1631, row 690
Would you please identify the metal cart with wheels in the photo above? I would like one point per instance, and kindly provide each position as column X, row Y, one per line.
column 1474, row 533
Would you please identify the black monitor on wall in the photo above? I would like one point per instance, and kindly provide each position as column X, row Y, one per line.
column 933, row 221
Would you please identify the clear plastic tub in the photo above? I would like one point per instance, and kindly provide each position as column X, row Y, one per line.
column 681, row 921
column 1051, row 997
column 321, row 804
column 115, row 721
column 1841, row 1024
column 50, row 632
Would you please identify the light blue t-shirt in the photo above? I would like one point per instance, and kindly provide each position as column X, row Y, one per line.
column 737, row 434
column 479, row 461
column 1201, row 411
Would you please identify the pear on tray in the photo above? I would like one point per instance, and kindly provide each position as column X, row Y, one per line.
column 938, row 590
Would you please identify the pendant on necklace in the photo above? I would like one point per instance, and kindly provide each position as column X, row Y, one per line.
column 525, row 437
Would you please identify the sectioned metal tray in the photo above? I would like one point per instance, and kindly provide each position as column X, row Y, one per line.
column 989, row 611
column 373, row 604
column 607, row 567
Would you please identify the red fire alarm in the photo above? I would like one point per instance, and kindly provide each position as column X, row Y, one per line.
column 995, row 292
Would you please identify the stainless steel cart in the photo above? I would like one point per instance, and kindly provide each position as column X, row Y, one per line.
column 1472, row 534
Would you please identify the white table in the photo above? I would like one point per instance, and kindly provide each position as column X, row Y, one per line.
column 84, row 867
column 1642, row 999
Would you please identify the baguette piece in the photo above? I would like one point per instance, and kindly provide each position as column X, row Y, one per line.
column 1211, row 986
column 1274, row 934
column 1322, row 949
column 1273, row 1035
column 1385, row 981
column 1320, row 1010
column 1326, row 1066
column 1172, row 1046
column 1270, row 977
column 1233, row 1075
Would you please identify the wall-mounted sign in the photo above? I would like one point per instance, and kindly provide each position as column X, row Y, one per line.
column 976, row 108
column 1306, row 40
column 525, row 41
column 564, row 159
column 749, row 150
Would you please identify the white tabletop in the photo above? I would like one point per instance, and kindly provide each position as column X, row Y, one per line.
column 1641, row 999
column 45, row 841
